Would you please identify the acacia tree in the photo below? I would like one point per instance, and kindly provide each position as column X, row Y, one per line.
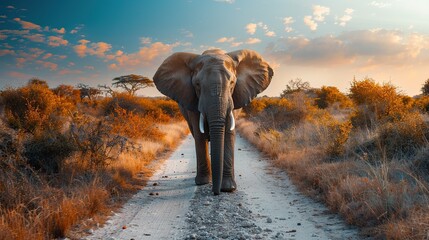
column 296, row 85
column 38, row 82
column 132, row 83
column 425, row 88
column 87, row 91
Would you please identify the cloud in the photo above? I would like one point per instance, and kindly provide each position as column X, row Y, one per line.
column 19, row 75
column 113, row 66
column 98, row 49
column 319, row 12
column 253, row 40
column 3, row 16
column 47, row 55
column 5, row 33
column 35, row 37
column 60, row 31
column 49, row 65
column 89, row 67
column 287, row 21
column 270, row 34
column 146, row 56
column 236, row 44
column 380, row 4
column 77, row 29
column 27, row 25
column 187, row 33
column 4, row 52
column 251, row 28
column 69, row 71
column 363, row 48
column 20, row 62
column 145, row 40
column 308, row 20
column 346, row 17
column 10, row 7
column 55, row 41
column 81, row 48
column 29, row 55
column 225, row 39
column 225, row 1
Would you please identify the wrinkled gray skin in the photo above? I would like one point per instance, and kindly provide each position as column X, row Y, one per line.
column 208, row 87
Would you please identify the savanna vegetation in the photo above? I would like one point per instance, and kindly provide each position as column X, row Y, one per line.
column 68, row 155
column 365, row 153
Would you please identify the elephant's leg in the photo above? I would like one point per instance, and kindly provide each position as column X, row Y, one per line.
column 228, row 179
column 201, row 149
column 203, row 164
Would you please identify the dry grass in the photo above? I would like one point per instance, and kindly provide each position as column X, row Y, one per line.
column 374, row 173
column 69, row 163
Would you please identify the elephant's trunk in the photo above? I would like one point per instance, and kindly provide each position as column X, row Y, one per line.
column 217, row 140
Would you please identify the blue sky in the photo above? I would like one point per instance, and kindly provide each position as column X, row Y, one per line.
column 323, row 42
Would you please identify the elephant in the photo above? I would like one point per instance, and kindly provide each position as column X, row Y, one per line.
column 208, row 87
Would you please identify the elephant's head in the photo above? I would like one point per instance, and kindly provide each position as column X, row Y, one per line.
column 213, row 84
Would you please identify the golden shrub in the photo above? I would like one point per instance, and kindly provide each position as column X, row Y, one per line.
column 403, row 138
column 376, row 102
column 328, row 96
column 34, row 108
column 338, row 135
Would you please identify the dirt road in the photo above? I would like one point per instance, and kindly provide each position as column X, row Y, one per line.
column 266, row 205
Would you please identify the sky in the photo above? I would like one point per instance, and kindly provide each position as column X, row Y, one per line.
column 325, row 42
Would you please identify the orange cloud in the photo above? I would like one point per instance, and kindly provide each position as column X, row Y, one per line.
column 251, row 28
column 68, row 72
column 60, row 31
column 98, row 49
column 225, row 39
column 27, row 25
column 253, row 40
column 6, row 52
column 145, row 56
column 80, row 49
column 19, row 75
column 47, row 55
column 55, row 41
column 35, row 37
column 20, row 62
column 49, row 65
column 362, row 48
column 31, row 53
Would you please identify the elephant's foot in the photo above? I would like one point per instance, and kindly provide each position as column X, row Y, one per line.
column 202, row 179
column 228, row 184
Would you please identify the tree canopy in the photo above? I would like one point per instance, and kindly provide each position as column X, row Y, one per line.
column 296, row 85
column 132, row 83
column 425, row 88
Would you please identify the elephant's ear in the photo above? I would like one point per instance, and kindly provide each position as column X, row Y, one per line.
column 253, row 76
column 174, row 79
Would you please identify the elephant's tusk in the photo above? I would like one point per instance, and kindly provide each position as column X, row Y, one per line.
column 201, row 123
column 232, row 121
